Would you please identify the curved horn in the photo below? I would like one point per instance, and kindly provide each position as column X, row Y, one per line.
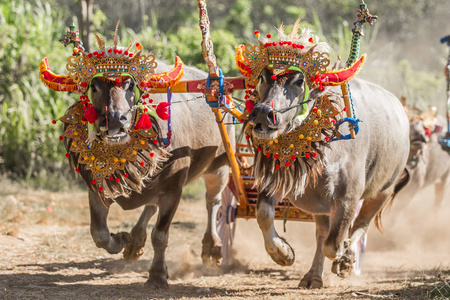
column 167, row 79
column 344, row 75
column 60, row 83
column 244, row 68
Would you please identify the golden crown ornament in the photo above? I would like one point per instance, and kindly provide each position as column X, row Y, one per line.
column 293, row 52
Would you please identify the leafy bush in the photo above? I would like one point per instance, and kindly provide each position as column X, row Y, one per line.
column 29, row 145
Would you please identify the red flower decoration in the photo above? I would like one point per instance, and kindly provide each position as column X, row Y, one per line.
column 163, row 110
column 249, row 104
column 144, row 122
column 90, row 114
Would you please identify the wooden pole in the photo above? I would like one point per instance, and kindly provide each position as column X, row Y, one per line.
column 347, row 104
column 235, row 171
column 210, row 59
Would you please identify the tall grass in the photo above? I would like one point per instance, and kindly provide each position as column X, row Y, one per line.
column 29, row 144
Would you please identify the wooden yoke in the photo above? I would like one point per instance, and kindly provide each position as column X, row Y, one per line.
column 213, row 97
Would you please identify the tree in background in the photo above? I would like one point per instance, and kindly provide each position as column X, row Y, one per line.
column 85, row 22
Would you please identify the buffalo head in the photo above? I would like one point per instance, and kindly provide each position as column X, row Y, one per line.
column 417, row 137
column 114, row 103
column 280, row 106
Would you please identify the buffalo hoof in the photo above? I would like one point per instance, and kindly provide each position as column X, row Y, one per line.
column 120, row 240
column 135, row 248
column 212, row 257
column 157, row 283
column 284, row 254
column 311, row 282
column 132, row 253
column 211, row 251
column 343, row 266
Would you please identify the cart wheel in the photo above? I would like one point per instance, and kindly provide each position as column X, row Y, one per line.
column 226, row 224
column 360, row 249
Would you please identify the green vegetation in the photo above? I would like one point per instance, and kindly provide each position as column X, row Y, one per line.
column 29, row 145
column 404, row 56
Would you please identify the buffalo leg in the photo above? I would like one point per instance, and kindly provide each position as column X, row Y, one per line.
column 344, row 265
column 277, row 247
column 313, row 279
column 439, row 190
column 160, row 238
column 135, row 248
column 341, row 219
column 112, row 243
column 211, row 249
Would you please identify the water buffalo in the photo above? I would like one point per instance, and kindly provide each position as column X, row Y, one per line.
column 156, row 177
column 196, row 150
column 428, row 164
column 369, row 167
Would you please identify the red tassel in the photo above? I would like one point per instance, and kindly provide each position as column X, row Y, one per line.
column 144, row 122
column 90, row 114
column 163, row 110
column 249, row 105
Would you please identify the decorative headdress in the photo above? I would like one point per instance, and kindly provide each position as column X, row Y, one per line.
column 114, row 170
column 300, row 52
column 297, row 52
column 108, row 62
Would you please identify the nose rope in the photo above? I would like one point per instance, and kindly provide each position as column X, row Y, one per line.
column 273, row 115
column 106, row 116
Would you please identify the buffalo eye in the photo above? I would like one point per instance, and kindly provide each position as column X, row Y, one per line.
column 94, row 88
column 299, row 82
column 131, row 85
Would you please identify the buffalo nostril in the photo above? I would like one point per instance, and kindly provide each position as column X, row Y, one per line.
column 271, row 116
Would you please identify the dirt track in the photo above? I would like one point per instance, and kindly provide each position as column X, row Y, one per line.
column 47, row 253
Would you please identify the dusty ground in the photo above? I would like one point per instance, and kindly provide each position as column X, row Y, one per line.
column 47, row 253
